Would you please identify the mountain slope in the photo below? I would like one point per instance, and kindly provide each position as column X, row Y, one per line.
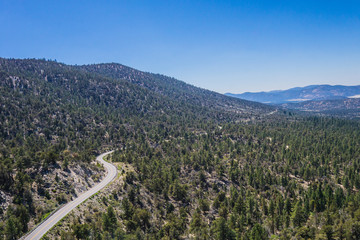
column 56, row 117
column 195, row 164
column 299, row 94
column 175, row 89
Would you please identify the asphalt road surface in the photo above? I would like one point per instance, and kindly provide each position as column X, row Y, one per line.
column 41, row 229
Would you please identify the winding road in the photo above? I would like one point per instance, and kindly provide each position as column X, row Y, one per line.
column 45, row 226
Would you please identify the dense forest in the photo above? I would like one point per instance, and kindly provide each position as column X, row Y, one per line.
column 205, row 166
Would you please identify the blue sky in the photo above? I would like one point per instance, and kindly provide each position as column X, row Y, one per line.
column 225, row 46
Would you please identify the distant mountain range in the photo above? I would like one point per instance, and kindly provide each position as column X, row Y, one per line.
column 301, row 94
column 338, row 101
column 348, row 107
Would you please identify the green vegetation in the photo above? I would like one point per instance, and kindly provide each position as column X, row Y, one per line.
column 206, row 166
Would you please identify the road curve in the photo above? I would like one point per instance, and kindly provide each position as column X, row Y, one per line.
column 41, row 229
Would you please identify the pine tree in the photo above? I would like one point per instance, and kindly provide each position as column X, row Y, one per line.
column 109, row 220
column 298, row 215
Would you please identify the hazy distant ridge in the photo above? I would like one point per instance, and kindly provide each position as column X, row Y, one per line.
column 300, row 94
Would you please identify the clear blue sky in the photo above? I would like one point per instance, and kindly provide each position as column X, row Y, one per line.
column 226, row 46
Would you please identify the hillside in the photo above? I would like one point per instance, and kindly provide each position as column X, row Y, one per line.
column 55, row 118
column 193, row 164
column 300, row 94
column 177, row 90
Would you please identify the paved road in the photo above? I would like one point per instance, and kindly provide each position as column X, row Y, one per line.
column 62, row 212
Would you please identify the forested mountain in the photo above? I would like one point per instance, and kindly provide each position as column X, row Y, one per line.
column 300, row 94
column 193, row 164
column 174, row 89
